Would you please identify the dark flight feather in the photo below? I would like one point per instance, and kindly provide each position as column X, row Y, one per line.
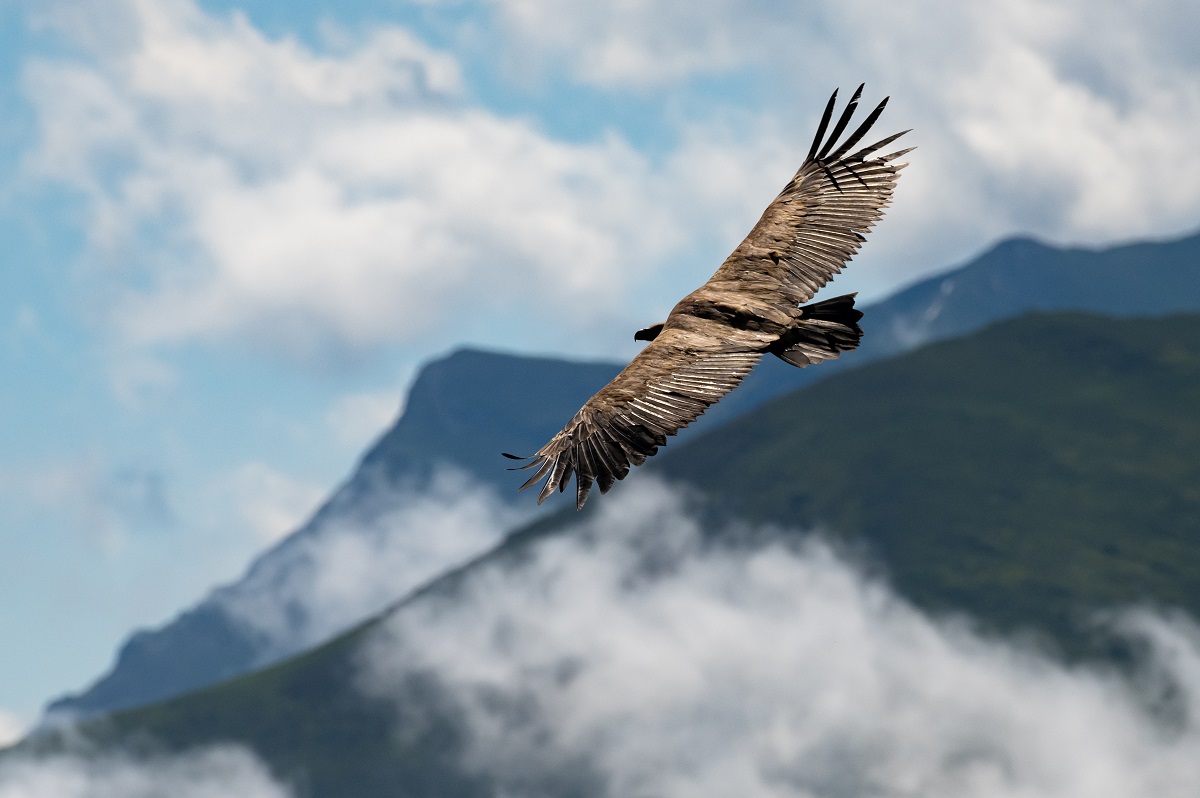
column 843, row 121
column 750, row 307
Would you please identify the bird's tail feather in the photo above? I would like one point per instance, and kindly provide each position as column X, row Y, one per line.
column 823, row 331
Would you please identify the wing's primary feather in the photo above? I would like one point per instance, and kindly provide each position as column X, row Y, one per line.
column 842, row 122
column 820, row 219
column 665, row 388
column 805, row 237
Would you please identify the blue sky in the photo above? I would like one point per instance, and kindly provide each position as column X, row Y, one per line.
column 232, row 231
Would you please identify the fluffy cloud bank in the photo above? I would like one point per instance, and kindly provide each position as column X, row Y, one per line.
column 12, row 728
column 629, row 658
column 243, row 187
column 239, row 185
column 217, row 773
column 1065, row 120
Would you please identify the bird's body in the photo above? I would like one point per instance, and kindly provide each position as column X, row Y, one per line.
column 752, row 306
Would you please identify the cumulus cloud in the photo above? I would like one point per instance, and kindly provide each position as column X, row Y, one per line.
column 1068, row 121
column 215, row 773
column 355, row 195
column 308, row 200
column 643, row 45
column 241, row 185
column 12, row 728
column 361, row 554
column 630, row 658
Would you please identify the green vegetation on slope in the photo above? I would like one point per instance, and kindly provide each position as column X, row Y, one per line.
column 1042, row 467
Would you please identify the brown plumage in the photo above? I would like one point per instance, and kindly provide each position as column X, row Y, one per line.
column 751, row 306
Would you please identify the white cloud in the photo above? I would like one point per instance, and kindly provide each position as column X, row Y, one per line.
column 366, row 551
column 259, row 190
column 12, row 728
column 273, row 503
column 356, row 419
column 1070, row 121
column 245, row 186
column 639, row 44
column 629, row 653
column 216, row 773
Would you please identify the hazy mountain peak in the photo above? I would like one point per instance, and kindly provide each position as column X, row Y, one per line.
column 467, row 406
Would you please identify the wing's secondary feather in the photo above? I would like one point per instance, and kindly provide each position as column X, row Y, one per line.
column 664, row 389
column 707, row 345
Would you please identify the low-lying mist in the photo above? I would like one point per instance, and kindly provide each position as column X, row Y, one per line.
column 226, row 772
column 354, row 562
column 629, row 658
column 637, row 655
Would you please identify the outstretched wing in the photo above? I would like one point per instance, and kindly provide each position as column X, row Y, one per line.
column 805, row 237
column 665, row 388
column 819, row 220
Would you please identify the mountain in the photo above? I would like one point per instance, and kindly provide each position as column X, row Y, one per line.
column 1016, row 276
column 1030, row 473
column 382, row 525
column 465, row 408
column 1026, row 474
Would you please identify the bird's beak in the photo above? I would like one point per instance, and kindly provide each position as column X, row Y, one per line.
column 648, row 334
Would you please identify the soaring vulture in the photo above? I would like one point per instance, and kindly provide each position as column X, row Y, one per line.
column 751, row 306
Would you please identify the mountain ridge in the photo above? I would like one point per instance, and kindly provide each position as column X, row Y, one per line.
column 448, row 417
column 1087, row 375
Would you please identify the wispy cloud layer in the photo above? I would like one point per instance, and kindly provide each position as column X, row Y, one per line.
column 101, row 501
column 244, row 187
column 1065, row 120
column 216, row 773
column 273, row 504
column 12, row 728
column 630, row 659
column 372, row 189
column 240, row 185
column 363, row 553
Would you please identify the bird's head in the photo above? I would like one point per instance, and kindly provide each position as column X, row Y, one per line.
column 648, row 334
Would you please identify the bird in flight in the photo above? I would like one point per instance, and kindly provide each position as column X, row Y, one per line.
column 752, row 306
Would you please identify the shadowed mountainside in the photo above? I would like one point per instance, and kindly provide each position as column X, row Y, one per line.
column 1024, row 474
column 461, row 410
column 1027, row 474
column 1016, row 276
column 465, row 408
